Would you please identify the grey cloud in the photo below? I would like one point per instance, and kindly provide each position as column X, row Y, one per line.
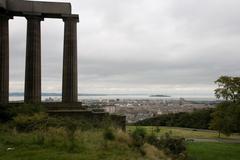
column 138, row 45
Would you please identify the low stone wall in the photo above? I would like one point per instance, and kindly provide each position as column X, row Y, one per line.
column 119, row 121
column 63, row 106
column 97, row 117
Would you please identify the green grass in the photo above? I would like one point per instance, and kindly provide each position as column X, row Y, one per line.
column 213, row 151
column 41, row 153
column 88, row 145
column 202, row 150
column 186, row 132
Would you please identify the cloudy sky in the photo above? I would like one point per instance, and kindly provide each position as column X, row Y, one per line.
column 176, row 47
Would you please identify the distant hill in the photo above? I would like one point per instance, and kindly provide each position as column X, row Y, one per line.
column 160, row 95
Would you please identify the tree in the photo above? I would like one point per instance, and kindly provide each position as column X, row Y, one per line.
column 226, row 117
column 228, row 88
column 223, row 120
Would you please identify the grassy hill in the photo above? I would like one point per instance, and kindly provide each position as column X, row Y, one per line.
column 205, row 145
column 188, row 133
column 57, row 144
column 30, row 134
column 213, row 150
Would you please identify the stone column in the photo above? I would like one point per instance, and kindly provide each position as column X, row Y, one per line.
column 4, row 59
column 33, row 61
column 70, row 75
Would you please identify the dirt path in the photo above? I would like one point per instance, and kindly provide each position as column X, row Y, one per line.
column 214, row 140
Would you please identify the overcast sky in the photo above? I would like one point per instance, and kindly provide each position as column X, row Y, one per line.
column 176, row 47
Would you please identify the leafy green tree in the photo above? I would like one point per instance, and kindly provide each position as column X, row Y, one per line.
column 227, row 114
column 223, row 121
column 198, row 119
column 228, row 88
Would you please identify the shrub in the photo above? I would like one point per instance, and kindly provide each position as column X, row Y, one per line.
column 39, row 138
column 28, row 109
column 151, row 152
column 108, row 135
column 139, row 135
column 5, row 113
column 153, row 140
column 28, row 123
column 123, row 137
column 157, row 129
column 8, row 112
column 198, row 119
column 56, row 137
column 174, row 146
column 71, row 127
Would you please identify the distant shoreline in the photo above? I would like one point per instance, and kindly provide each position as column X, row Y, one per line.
column 20, row 94
column 162, row 96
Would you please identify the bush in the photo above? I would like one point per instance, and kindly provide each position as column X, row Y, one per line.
column 71, row 127
column 57, row 137
column 157, row 129
column 139, row 135
column 108, row 135
column 28, row 123
column 8, row 112
column 28, row 109
column 123, row 137
column 174, row 146
column 151, row 152
column 39, row 138
column 198, row 119
column 153, row 140
column 5, row 113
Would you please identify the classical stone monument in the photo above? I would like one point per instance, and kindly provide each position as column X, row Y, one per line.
column 35, row 12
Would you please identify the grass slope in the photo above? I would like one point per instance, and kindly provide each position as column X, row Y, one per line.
column 213, row 151
column 185, row 132
column 88, row 145
column 56, row 144
column 202, row 150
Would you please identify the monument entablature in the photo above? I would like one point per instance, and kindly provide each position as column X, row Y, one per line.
column 45, row 9
column 35, row 12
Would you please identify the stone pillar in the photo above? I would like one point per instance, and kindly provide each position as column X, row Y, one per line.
column 4, row 59
column 70, row 75
column 33, row 61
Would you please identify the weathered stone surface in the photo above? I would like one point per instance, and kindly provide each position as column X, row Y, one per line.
column 97, row 119
column 4, row 59
column 78, row 112
column 70, row 78
column 33, row 61
column 20, row 7
column 3, row 4
column 63, row 106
